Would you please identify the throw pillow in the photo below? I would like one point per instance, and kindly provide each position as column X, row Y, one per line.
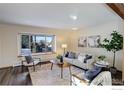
column 66, row 54
column 71, row 55
column 87, row 57
column 81, row 58
column 92, row 73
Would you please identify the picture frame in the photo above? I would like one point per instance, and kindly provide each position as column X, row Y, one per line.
column 82, row 42
column 93, row 41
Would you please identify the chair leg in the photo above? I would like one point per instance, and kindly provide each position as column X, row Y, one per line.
column 61, row 70
column 51, row 66
column 40, row 64
column 34, row 67
column 22, row 66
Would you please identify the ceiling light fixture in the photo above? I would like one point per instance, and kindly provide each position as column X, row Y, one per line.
column 73, row 17
column 74, row 28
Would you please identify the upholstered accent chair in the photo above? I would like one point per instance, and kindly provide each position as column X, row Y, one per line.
column 30, row 61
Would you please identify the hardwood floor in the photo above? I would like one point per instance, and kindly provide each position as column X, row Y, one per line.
column 15, row 76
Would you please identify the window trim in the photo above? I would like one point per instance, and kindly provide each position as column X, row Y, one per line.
column 19, row 41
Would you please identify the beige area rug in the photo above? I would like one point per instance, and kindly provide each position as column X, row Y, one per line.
column 45, row 76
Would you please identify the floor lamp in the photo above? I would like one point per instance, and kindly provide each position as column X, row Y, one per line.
column 64, row 46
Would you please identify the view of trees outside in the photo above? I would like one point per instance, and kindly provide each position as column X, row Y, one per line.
column 38, row 43
column 25, row 41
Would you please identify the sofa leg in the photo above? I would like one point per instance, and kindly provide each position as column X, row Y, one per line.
column 33, row 67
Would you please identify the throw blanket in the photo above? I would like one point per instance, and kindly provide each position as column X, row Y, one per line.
column 104, row 78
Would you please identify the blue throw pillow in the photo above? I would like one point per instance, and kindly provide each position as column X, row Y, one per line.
column 92, row 73
column 66, row 54
column 71, row 55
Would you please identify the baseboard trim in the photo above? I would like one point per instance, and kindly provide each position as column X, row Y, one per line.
column 5, row 67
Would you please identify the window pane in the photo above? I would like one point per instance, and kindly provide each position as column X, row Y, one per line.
column 25, row 41
column 49, row 43
column 40, row 44
column 33, row 46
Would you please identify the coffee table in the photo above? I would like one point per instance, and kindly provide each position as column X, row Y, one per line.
column 61, row 64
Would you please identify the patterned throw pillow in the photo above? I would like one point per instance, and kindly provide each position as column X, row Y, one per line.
column 71, row 55
column 81, row 58
column 92, row 73
column 87, row 57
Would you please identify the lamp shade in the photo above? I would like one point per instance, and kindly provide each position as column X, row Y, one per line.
column 64, row 46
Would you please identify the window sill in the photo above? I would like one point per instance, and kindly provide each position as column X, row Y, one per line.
column 47, row 53
column 36, row 54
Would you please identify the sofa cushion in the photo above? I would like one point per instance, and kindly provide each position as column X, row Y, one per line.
column 79, row 64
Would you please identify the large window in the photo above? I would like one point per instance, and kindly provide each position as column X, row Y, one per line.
column 38, row 43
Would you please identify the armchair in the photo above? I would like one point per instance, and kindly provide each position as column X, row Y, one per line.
column 29, row 60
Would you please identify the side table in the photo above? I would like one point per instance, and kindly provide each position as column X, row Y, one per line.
column 61, row 64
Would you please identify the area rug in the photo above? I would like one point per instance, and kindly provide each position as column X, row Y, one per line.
column 45, row 76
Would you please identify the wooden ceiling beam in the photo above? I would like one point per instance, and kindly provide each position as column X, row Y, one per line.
column 118, row 8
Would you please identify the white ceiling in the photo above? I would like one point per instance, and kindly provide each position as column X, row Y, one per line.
column 56, row 15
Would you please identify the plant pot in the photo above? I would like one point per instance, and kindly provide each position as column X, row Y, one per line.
column 61, row 59
column 113, row 70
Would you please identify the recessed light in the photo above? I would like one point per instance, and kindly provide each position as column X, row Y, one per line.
column 73, row 17
column 74, row 28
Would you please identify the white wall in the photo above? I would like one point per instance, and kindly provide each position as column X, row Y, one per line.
column 9, row 42
column 0, row 49
column 103, row 30
column 123, row 52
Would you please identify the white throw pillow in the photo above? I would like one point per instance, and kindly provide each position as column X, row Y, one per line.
column 81, row 58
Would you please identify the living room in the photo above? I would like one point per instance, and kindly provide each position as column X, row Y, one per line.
column 66, row 25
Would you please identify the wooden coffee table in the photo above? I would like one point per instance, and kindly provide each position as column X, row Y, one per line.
column 61, row 64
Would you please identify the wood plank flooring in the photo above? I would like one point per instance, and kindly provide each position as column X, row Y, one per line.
column 15, row 76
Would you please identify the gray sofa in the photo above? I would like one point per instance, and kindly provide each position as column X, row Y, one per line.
column 79, row 61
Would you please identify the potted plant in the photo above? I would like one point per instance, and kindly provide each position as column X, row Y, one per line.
column 60, row 58
column 114, row 44
column 101, row 58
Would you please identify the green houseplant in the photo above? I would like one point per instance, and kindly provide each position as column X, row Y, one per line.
column 101, row 58
column 114, row 44
column 59, row 57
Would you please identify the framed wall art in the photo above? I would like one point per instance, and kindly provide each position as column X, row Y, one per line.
column 93, row 41
column 82, row 42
